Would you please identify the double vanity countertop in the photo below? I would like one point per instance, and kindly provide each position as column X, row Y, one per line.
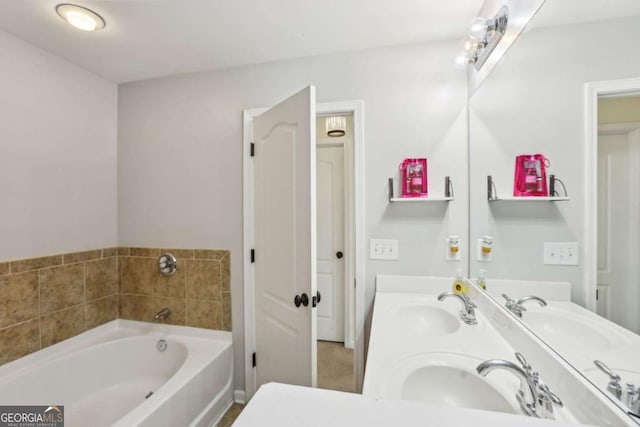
column 422, row 369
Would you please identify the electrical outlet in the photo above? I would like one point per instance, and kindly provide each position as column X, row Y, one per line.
column 452, row 248
column 560, row 253
column 383, row 249
column 484, row 249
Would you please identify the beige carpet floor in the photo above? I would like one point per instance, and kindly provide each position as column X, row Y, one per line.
column 335, row 367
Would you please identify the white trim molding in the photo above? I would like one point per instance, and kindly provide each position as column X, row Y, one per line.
column 593, row 91
column 356, row 245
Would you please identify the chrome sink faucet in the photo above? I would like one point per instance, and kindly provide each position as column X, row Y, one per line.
column 630, row 396
column 535, row 398
column 468, row 313
column 516, row 306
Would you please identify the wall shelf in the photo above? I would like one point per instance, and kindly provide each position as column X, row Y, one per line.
column 448, row 194
column 492, row 194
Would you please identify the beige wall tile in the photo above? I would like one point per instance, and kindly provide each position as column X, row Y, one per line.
column 101, row 278
column 18, row 298
column 75, row 257
column 109, row 252
column 61, row 325
column 124, row 251
column 179, row 253
column 178, row 307
column 101, row 311
column 203, row 280
column 204, row 314
column 61, row 287
column 146, row 252
column 210, row 253
column 226, row 311
column 225, row 273
column 35, row 263
column 5, row 268
column 171, row 286
column 19, row 340
column 137, row 275
column 136, row 307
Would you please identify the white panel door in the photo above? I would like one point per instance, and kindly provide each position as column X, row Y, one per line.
column 331, row 243
column 285, row 242
column 615, row 244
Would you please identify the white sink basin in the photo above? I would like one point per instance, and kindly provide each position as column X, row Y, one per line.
column 424, row 319
column 566, row 331
column 449, row 379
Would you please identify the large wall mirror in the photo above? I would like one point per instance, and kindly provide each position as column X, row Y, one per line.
column 536, row 101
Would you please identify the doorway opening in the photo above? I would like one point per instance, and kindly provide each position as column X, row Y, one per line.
column 612, row 201
column 334, row 139
column 352, row 342
column 618, row 209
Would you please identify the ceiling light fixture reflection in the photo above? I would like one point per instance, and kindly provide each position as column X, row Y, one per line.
column 484, row 36
column 80, row 17
column 336, row 126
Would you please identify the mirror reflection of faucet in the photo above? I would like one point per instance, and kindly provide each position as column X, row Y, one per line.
column 630, row 396
column 467, row 314
column 535, row 398
column 516, row 306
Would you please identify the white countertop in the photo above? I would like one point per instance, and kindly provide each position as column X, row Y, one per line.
column 281, row 405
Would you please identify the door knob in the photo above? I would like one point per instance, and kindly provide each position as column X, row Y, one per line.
column 339, row 254
column 319, row 296
column 301, row 299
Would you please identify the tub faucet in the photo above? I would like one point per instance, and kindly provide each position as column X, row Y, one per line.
column 467, row 314
column 535, row 398
column 516, row 306
column 162, row 314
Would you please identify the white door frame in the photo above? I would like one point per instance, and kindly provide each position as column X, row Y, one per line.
column 355, row 240
column 593, row 90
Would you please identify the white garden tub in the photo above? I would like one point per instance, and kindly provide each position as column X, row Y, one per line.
column 103, row 376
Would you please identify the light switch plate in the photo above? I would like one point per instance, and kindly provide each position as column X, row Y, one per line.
column 560, row 253
column 386, row 249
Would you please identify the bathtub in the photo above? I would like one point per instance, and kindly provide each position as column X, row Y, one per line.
column 115, row 375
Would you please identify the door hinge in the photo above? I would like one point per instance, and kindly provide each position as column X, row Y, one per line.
column 252, row 149
column 597, row 295
column 253, row 359
column 253, row 256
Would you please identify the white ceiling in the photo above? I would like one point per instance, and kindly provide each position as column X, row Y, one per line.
column 152, row 38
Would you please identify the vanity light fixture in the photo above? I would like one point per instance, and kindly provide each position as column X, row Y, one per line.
column 336, row 126
column 484, row 36
column 80, row 17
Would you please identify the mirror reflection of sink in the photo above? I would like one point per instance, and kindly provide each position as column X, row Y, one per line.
column 423, row 319
column 449, row 379
column 565, row 330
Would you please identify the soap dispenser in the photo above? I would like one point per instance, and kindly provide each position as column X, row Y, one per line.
column 482, row 282
column 459, row 287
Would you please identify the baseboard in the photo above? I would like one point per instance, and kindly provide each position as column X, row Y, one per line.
column 239, row 396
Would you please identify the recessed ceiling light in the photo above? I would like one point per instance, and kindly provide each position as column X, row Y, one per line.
column 80, row 17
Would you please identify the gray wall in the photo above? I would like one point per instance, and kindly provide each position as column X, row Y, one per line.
column 180, row 154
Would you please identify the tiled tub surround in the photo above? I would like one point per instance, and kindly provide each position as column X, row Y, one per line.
column 49, row 299
column 198, row 294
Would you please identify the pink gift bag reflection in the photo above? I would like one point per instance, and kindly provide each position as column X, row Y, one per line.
column 414, row 177
column 530, row 175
